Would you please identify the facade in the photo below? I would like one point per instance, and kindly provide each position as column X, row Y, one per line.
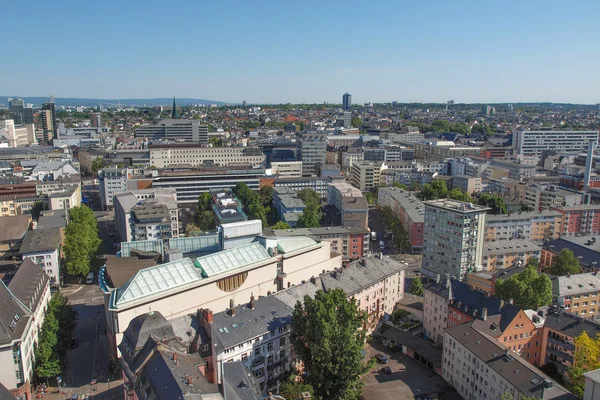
column 319, row 185
column 509, row 189
column 287, row 169
column 534, row 226
column 351, row 156
column 125, row 202
column 581, row 219
column 175, row 130
column 439, row 150
column 466, row 184
column 480, row 367
column 183, row 286
column 547, row 197
column 112, row 181
column 97, row 120
column 350, row 202
column 366, row 175
column 532, row 143
column 310, row 149
column 17, row 135
column 408, row 134
column 578, row 294
column 69, row 197
column 24, row 301
column 507, row 253
column 49, row 125
column 409, row 210
column 347, row 101
column 454, row 233
column 241, row 334
column 516, row 171
column 163, row 156
column 42, row 246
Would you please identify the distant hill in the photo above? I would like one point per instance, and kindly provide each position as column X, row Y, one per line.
column 67, row 101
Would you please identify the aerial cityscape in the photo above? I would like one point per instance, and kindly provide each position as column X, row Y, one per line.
column 311, row 202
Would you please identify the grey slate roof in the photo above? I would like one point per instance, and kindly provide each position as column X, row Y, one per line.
column 28, row 284
column 588, row 255
column 52, row 219
column 45, row 239
column 571, row 325
column 525, row 377
column 509, row 246
column 574, row 284
column 143, row 326
column 239, row 383
column 13, row 316
column 14, row 227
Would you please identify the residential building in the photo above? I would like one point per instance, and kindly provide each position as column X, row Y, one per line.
column 42, row 246
column 585, row 248
column 241, row 334
column 509, row 189
column 516, row 171
column 547, row 197
column 366, row 175
column 49, row 187
column 578, row 294
column 86, row 157
column 532, row 143
column 17, row 135
column 347, row 101
column 592, row 385
column 343, row 140
column 506, row 253
column 157, row 362
column 351, row 156
column 174, row 130
column 24, row 297
column 350, row 202
column 112, row 181
column 12, row 231
column 183, row 286
column 454, row 234
column 479, row 367
column 70, row 197
column 97, row 120
column 534, row 226
column 167, row 155
column 48, row 117
column 287, row 169
column 347, row 120
column 311, row 148
column 409, row 210
column 125, row 202
column 407, row 134
column 289, row 207
column 152, row 221
column 439, row 150
column 482, row 281
column 581, row 219
column 466, row 184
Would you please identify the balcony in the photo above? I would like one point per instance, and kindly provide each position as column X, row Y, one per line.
column 564, row 344
column 277, row 363
column 258, row 363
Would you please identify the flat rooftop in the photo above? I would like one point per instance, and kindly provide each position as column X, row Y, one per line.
column 456, row 205
column 148, row 212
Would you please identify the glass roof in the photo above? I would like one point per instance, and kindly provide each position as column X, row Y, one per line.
column 231, row 259
column 158, row 279
column 290, row 244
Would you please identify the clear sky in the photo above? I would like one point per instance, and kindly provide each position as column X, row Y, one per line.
column 304, row 51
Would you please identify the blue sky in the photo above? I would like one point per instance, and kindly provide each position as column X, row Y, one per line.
column 308, row 51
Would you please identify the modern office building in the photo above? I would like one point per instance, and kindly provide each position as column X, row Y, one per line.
column 17, row 135
column 454, row 234
column 347, row 119
column 97, row 120
column 174, row 130
column 347, row 101
column 310, row 149
column 287, row 169
column 407, row 134
column 409, row 210
column 440, row 149
column 366, row 175
column 49, row 125
column 167, row 155
column 532, row 143
column 19, row 113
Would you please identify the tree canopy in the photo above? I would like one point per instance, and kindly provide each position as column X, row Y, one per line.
column 432, row 191
column 328, row 337
column 280, row 225
column 493, row 201
column 457, row 194
column 416, row 286
column 529, row 289
column 81, row 240
column 204, row 219
column 97, row 164
column 565, row 263
column 586, row 358
column 311, row 216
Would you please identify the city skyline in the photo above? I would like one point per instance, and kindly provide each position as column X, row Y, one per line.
column 472, row 53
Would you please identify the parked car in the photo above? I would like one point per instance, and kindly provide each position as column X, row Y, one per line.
column 381, row 358
column 74, row 343
column 90, row 278
column 385, row 370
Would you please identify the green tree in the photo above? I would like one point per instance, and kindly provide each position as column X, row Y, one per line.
column 266, row 195
column 356, row 122
column 585, row 359
column 280, row 225
column 309, row 196
column 310, row 218
column 328, row 337
column 435, row 190
column 191, row 227
column 204, row 203
column 457, row 194
column 37, row 208
column 97, row 164
column 216, row 141
column 529, row 289
column 244, row 193
column 493, row 201
column 565, row 263
column 205, row 221
column 399, row 185
column 416, row 287
column 533, row 262
column 257, row 211
column 291, row 389
column 82, row 243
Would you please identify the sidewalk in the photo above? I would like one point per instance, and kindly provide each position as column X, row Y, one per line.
column 101, row 391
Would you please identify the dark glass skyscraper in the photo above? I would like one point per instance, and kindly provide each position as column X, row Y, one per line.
column 15, row 107
column 347, row 101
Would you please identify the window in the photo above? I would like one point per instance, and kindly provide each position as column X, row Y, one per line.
column 282, row 341
column 270, row 346
column 257, row 351
column 244, row 357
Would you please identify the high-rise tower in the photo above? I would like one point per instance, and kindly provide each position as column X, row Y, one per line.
column 174, row 113
column 48, row 116
column 347, row 101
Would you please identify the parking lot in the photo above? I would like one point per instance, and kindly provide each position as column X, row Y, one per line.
column 408, row 380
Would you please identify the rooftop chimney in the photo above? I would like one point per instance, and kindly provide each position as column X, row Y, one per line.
column 484, row 314
column 437, row 278
column 175, row 358
column 189, row 379
column 511, row 301
column 252, row 301
column 231, row 307
column 208, row 315
column 501, row 304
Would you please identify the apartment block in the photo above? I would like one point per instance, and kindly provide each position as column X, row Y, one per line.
column 409, row 210
column 534, row 226
column 366, row 175
column 516, row 171
column 509, row 189
column 17, row 135
column 351, row 156
column 507, row 253
column 163, row 156
column 42, row 246
column 578, row 294
column 454, row 233
column 439, row 150
column 547, row 197
column 351, row 203
column 310, row 149
column 532, row 143
column 580, row 219
column 112, row 181
column 467, row 184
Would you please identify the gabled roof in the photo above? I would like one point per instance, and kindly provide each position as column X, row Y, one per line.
column 228, row 260
column 13, row 316
column 239, row 383
column 471, row 301
column 28, row 284
column 13, row 227
column 160, row 278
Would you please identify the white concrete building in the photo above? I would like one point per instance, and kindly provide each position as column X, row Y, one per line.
column 70, row 197
column 19, row 135
column 42, row 247
column 162, row 156
column 287, row 169
column 112, row 181
column 532, row 143
column 366, row 175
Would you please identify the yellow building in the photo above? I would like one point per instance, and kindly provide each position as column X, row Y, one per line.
column 534, row 226
column 506, row 253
